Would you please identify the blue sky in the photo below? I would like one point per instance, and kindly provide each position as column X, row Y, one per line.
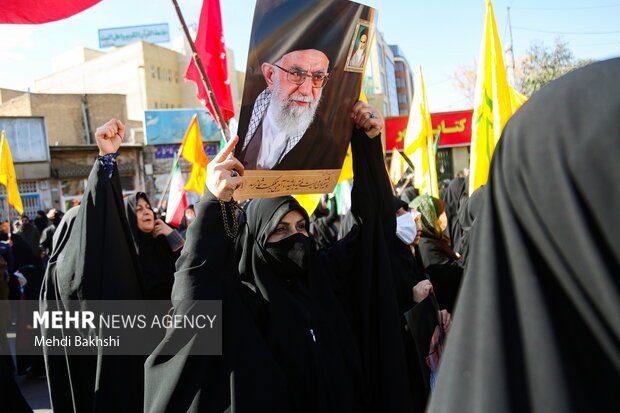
column 440, row 34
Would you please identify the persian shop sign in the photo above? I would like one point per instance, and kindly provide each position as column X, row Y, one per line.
column 455, row 129
column 120, row 36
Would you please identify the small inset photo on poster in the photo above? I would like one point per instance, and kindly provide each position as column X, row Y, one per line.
column 360, row 44
column 294, row 125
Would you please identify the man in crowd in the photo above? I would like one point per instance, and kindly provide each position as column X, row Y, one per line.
column 30, row 234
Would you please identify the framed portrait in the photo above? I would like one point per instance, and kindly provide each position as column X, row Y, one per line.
column 360, row 47
column 294, row 128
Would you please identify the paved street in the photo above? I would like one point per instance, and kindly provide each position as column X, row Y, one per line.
column 36, row 393
column 34, row 390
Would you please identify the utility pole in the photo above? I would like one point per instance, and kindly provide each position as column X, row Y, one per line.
column 512, row 51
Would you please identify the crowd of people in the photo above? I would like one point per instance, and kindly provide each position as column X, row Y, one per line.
column 505, row 300
column 25, row 247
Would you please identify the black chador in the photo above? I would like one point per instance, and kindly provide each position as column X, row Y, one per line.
column 94, row 259
column 537, row 325
column 304, row 330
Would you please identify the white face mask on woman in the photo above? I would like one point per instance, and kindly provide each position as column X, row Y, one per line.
column 406, row 229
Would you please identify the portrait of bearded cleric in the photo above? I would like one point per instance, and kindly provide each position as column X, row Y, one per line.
column 297, row 95
column 287, row 107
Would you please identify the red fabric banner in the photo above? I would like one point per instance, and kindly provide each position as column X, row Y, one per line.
column 395, row 129
column 455, row 129
column 210, row 46
column 40, row 11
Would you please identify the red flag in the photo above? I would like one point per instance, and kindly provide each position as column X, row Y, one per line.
column 40, row 11
column 210, row 47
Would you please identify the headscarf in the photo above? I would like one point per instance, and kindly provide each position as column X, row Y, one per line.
column 155, row 257
column 131, row 201
column 398, row 204
column 430, row 208
column 537, row 325
column 184, row 224
column 263, row 217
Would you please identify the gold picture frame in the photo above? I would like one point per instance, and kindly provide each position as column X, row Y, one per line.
column 356, row 61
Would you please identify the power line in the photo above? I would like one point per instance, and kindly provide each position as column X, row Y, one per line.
column 568, row 8
column 555, row 32
column 595, row 44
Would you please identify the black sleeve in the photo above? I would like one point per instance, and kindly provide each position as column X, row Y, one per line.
column 208, row 254
column 371, row 200
column 99, row 260
column 372, row 291
column 175, row 240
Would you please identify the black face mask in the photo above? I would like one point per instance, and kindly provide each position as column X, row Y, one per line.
column 289, row 256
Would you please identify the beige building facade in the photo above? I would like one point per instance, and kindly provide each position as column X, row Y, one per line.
column 150, row 76
column 147, row 74
column 57, row 177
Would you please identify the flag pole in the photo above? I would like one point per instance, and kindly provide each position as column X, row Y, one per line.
column 174, row 165
column 408, row 160
column 203, row 75
column 8, row 211
column 432, row 166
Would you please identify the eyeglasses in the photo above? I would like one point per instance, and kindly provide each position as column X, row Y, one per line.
column 298, row 77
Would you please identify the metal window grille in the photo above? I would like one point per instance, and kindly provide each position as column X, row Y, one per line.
column 31, row 200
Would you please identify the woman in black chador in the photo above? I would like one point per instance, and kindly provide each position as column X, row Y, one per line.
column 304, row 330
column 439, row 260
column 537, row 326
column 97, row 255
column 158, row 247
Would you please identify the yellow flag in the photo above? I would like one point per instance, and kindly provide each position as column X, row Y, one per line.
column 193, row 151
column 419, row 140
column 492, row 103
column 516, row 99
column 398, row 165
column 7, row 175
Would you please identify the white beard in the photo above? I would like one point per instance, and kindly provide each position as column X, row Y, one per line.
column 292, row 119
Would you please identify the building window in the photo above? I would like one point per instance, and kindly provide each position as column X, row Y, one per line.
column 445, row 164
column 169, row 79
column 156, row 105
column 158, row 73
column 176, row 77
column 402, row 98
column 400, row 67
column 400, row 83
column 153, row 72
